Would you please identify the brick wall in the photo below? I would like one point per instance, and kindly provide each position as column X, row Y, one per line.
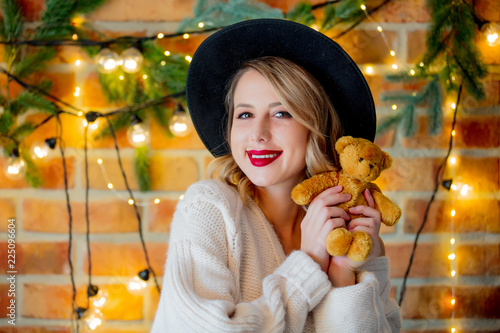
column 43, row 284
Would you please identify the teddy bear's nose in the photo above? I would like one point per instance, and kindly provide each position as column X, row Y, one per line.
column 371, row 166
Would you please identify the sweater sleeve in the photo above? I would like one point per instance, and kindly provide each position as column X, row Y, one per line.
column 200, row 290
column 363, row 307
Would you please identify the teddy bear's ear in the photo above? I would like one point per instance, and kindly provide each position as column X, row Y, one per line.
column 344, row 142
column 386, row 160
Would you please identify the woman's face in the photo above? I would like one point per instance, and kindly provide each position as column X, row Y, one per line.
column 267, row 143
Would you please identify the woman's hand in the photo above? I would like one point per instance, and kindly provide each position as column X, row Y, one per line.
column 341, row 269
column 320, row 219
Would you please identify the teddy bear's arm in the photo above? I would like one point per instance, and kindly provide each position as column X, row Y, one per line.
column 389, row 210
column 303, row 193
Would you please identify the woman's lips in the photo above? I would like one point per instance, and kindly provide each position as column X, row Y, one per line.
column 261, row 158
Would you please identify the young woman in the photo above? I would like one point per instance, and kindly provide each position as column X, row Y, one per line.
column 242, row 255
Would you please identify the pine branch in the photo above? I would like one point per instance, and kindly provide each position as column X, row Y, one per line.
column 34, row 62
column 12, row 23
column 56, row 19
column 141, row 167
column 33, row 176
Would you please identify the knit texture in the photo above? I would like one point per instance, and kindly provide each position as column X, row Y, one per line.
column 226, row 271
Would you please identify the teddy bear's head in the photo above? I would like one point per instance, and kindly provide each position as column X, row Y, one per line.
column 362, row 158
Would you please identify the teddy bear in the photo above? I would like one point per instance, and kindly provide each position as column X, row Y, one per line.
column 361, row 162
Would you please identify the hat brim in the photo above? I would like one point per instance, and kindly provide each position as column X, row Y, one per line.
column 223, row 53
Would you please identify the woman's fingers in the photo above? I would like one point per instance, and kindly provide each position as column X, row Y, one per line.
column 369, row 198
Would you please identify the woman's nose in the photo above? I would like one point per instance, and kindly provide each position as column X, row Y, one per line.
column 260, row 132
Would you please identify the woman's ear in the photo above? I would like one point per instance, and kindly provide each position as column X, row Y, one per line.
column 344, row 142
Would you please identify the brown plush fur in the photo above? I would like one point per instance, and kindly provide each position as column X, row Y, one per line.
column 362, row 162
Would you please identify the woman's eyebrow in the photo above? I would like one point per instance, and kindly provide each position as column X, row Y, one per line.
column 244, row 105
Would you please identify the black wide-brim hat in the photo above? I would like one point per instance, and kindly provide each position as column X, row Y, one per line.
column 218, row 58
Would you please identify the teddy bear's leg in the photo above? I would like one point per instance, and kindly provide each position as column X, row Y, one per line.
column 389, row 210
column 361, row 246
column 338, row 242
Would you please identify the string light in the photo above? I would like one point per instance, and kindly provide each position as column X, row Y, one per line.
column 121, row 77
column 110, row 186
column 452, row 301
column 394, row 107
column 393, row 53
column 163, row 63
column 185, row 36
column 160, row 35
column 452, row 241
column 180, row 124
column 15, row 168
column 453, row 273
column 363, row 7
column 369, row 70
column 188, row 58
column 136, row 285
column 100, row 299
column 453, row 330
column 78, row 62
column 131, row 202
column 452, row 213
column 157, row 201
column 93, row 319
column 74, row 37
column 452, row 256
column 412, row 72
column 181, row 197
column 394, row 66
column 77, row 92
column 453, row 133
column 491, row 32
column 107, row 61
column 99, row 161
column 167, row 53
column 138, row 133
column 379, row 28
column 201, row 25
column 132, row 60
column 453, row 160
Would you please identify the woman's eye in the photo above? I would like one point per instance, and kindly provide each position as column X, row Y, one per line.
column 244, row 115
column 283, row 114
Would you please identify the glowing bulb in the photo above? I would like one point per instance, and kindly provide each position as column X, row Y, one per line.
column 181, row 197
column 453, row 160
column 363, row 7
column 75, row 37
column 110, row 186
column 452, row 213
column 453, row 106
column 132, row 60
column 93, row 319
column 100, row 299
column 315, row 27
column 136, row 285
column 491, row 32
column 39, row 149
column 180, row 124
column 452, row 301
column 393, row 53
column 394, row 107
column 121, row 77
column 452, row 241
column 453, row 133
column 77, row 92
column 453, row 330
column 107, row 61
column 160, row 35
column 394, row 66
column 464, row 190
column 163, row 63
column 138, row 135
column 157, row 201
column 369, row 70
column 412, row 72
column 188, row 58
column 99, row 161
column 80, row 113
column 201, row 25
column 144, row 76
column 167, row 53
column 379, row 28
column 453, row 273
column 421, row 64
column 185, row 36
column 130, row 202
column 451, row 256
column 15, row 168
column 78, row 62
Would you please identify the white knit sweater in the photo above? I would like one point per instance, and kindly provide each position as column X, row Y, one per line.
column 227, row 272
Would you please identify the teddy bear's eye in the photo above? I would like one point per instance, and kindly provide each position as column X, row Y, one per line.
column 361, row 159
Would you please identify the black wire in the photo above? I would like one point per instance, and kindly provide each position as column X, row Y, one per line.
column 355, row 24
column 87, row 216
column 70, row 223
column 134, row 204
column 437, row 182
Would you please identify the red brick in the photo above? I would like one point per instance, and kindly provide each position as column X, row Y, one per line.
column 4, row 300
column 37, row 258
column 180, row 45
column 379, row 85
column 430, row 260
column 409, row 174
column 478, row 215
column 480, row 173
column 100, row 175
column 488, row 10
column 367, row 46
column 104, row 216
column 92, row 94
column 126, row 259
column 403, row 11
column 148, row 10
column 63, row 84
column 492, row 94
column 385, row 140
column 478, row 259
column 160, row 215
column 433, row 302
column 416, row 46
column 173, row 173
column 14, row 88
column 7, row 211
column 51, row 171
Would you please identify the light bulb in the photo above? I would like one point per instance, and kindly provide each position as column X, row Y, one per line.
column 132, row 60
column 107, row 61
column 136, row 285
column 180, row 124
column 15, row 168
column 93, row 319
column 369, row 70
column 39, row 150
column 138, row 135
column 451, row 256
column 491, row 33
column 100, row 299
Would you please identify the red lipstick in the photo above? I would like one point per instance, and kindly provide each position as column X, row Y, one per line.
column 261, row 158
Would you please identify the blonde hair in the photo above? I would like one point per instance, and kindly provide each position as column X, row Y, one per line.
column 305, row 99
